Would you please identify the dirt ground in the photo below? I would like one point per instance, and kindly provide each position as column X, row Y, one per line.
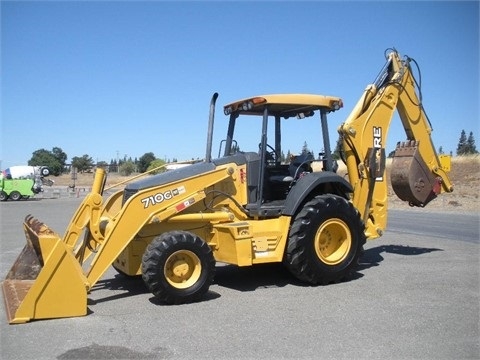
column 464, row 174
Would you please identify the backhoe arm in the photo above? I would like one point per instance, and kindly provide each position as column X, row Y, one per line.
column 417, row 174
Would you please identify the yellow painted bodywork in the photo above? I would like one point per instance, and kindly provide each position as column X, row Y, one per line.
column 58, row 291
column 366, row 129
column 103, row 232
column 106, row 231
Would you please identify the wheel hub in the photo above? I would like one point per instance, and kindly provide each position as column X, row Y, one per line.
column 182, row 269
column 333, row 242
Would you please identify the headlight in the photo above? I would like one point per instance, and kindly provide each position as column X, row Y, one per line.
column 247, row 106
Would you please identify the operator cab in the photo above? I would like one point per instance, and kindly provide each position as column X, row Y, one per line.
column 269, row 178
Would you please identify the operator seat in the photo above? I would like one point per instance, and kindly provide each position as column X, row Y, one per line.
column 281, row 178
column 298, row 165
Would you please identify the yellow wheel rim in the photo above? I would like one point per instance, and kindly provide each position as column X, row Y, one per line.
column 333, row 241
column 182, row 269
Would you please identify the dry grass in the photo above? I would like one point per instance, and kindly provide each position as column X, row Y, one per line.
column 464, row 174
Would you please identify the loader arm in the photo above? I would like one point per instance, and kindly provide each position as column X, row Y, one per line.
column 75, row 263
column 417, row 173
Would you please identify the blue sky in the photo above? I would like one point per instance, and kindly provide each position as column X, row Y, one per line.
column 104, row 78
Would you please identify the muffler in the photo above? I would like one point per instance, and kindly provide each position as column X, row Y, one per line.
column 412, row 180
column 46, row 281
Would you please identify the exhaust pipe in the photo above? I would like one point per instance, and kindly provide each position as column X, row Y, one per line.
column 208, row 156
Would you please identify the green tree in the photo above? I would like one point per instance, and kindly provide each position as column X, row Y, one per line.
column 305, row 148
column 472, row 149
column 157, row 163
column 54, row 160
column 127, row 168
column 113, row 167
column 84, row 163
column 60, row 155
column 462, row 144
column 145, row 161
column 466, row 145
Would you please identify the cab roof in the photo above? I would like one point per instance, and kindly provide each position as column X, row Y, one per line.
column 284, row 105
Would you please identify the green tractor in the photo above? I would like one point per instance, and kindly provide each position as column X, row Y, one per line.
column 22, row 182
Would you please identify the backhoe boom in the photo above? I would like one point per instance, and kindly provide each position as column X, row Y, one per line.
column 417, row 173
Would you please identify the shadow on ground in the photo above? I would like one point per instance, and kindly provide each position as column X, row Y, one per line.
column 254, row 277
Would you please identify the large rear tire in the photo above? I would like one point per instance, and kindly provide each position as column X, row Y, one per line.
column 3, row 196
column 15, row 195
column 178, row 267
column 325, row 240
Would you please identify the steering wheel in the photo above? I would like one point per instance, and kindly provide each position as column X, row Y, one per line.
column 271, row 155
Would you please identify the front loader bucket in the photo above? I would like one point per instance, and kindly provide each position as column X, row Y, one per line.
column 412, row 181
column 46, row 281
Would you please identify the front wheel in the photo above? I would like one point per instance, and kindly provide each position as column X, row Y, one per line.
column 178, row 267
column 325, row 240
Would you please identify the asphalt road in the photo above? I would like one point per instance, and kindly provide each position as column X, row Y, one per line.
column 415, row 296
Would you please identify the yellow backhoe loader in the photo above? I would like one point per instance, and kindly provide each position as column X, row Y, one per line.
column 242, row 208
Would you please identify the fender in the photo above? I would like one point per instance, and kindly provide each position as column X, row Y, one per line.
column 308, row 183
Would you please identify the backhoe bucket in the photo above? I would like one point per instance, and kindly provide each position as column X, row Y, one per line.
column 46, row 281
column 412, row 181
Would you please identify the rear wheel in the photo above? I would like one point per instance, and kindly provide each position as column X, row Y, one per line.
column 3, row 196
column 325, row 241
column 178, row 267
column 15, row 195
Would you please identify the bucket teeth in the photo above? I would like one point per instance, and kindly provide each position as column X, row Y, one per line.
column 37, row 226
